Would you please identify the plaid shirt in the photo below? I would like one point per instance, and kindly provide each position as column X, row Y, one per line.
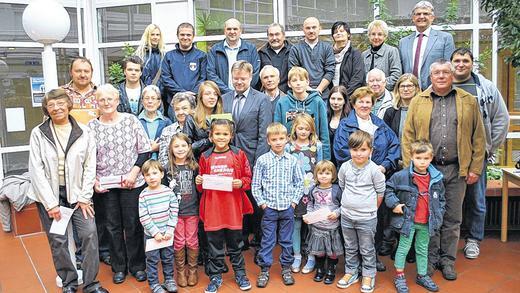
column 81, row 101
column 277, row 181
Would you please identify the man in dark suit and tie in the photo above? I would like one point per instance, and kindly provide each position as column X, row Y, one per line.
column 252, row 114
column 424, row 46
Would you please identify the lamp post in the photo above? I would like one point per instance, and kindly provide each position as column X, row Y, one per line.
column 47, row 22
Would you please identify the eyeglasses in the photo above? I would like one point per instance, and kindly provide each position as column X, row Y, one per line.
column 56, row 105
column 407, row 86
column 150, row 99
column 441, row 72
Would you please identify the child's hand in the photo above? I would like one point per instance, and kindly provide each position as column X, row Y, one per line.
column 382, row 169
column 263, row 206
column 398, row 209
column 198, row 179
column 293, row 205
column 305, row 220
column 237, row 183
column 158, row 237
column 167, row 236
column 332, row 216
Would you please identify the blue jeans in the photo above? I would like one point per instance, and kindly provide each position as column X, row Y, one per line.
column 297, row 236
column 359, row 239
column 476, row 206
column 165, row 256
column 271, row 221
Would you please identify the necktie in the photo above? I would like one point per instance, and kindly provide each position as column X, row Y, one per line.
column 237, row 107
column 415, row 70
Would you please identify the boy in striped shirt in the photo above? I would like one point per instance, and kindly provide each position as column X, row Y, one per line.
column 158, row 209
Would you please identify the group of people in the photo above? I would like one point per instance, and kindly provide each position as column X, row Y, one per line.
column 320, row 148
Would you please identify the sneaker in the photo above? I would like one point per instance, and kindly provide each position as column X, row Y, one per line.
column 287, row 277
column 400, row 284
column 243, row 282
column 448, row 272
column 214, row 284
column 295, row 267
column 426, row 282
column 368, row 284
column 262, row 280
column 347, row 280
column 471, row 249
column 309, row 266
column 170, row 286
column 158, row 289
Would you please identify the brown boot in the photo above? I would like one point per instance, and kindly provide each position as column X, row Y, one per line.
column 192, row 267
column 180, row 261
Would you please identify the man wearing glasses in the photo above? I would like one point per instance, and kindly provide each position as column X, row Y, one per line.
column 424, row 46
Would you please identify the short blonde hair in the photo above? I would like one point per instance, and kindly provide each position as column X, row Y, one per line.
column 362, row 92
column 299, row 72
column 421, row 146
column 242, row 65
column 378, row 24
column 276, row 128
column 325, row 165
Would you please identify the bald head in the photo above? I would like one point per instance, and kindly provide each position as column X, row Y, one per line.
column 232, row 30
column 311, row 29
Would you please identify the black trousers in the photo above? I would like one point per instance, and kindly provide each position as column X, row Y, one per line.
column 125, row 232
column 252, row 223
column 216, row 251
column 101, row 224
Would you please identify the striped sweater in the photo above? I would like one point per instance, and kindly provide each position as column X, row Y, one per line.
column 158, row 211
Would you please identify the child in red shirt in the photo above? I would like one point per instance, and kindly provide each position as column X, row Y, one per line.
column 222, row 211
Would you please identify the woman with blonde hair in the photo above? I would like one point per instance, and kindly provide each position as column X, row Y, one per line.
column 406, row 87
column 209, row 102
column 151, row 50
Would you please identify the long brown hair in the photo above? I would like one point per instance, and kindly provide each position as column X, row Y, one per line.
column 190, row 158
column 200, row 109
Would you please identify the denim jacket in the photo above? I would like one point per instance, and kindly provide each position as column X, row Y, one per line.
column 401, row 189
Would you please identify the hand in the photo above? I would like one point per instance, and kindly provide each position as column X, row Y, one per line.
column 167, row 236
column 398, row 209
column 129, row 180
column 383, row 169
column 158, row 237
column 263, row 207
column 198, row 179
column 87, row 209
column 472, row 177
column 237, row 183
column 155, row 145
column 55, row 213
column 305, row 220
column 97, row 187
column 293, row 205
column 332, row 216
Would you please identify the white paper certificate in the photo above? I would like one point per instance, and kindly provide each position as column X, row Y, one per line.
column 152, row 244
column 108, row 182
column 317, row 216
column 59, row 227
column 215, row 182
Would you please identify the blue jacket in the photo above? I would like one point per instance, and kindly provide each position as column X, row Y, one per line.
column 400, row 189
column 218, row 70
column 182, row 71
column 124, row 103
column 163, row 122
column 151, row 64
column 288, row 106
column 386, row 149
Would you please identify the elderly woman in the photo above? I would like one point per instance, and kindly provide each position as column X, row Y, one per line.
column 349, row 71
column 381, row 55
column 122, row 148
column 406, row 88
column 62, row 168
column 338, row 107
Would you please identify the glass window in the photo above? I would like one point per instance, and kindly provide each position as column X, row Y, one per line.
column 255, row 15
column 18, row 66
column 328, row 12
column 484, row 16
column 123, row 23
column 110, row 56
column 12, row 26
column 400, row 11
column 15, row 163
column 484, row 58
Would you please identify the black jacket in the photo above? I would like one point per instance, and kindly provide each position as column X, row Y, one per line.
column 281, row 61
column 352, row 71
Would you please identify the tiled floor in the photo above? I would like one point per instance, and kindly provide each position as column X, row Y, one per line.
column 26, row 266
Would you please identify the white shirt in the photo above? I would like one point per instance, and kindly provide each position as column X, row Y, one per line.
column 133, row 98
column 366, row 125
column 426, row 34
column 231, row 54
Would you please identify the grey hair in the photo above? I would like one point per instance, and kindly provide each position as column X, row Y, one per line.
column 376, row 71
column 184, row 96
column 229, row 21
column 423, row 4
column 275, row 24
column 107, row 89
column 152, row 88
column 441, row 62
column 269, row 67
column 378, row 23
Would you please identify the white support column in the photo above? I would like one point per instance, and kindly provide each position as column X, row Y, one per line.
column 91, row 39
column 279, row 8
column 475, row 39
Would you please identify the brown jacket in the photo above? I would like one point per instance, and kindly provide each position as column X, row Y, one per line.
column 471, row 138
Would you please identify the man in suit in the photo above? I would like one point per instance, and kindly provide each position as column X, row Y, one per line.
column 252, row 114
column 424, row 46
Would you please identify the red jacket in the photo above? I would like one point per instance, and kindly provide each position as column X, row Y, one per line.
column 222, row 209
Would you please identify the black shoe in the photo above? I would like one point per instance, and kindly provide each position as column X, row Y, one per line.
column 380, row 266
column 330, row 276
column 410, row 258
column 287, row 277
column 320, row 274
column 100, row 290
column 69, row 290
column 140, row 276
column 385, row 249
column 119, row 277
column 449, row 273
column 106, row 259
column 246, row 245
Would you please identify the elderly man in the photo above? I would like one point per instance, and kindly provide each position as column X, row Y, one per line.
column 276, row 53
column 252, row 114
column 270, row 78
column 376, row 80
column 450, row 119
column 496, row 123
column 225, row 53
column 317, row 57
column 424, row 46
column 183, row 68
column 62, row 167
